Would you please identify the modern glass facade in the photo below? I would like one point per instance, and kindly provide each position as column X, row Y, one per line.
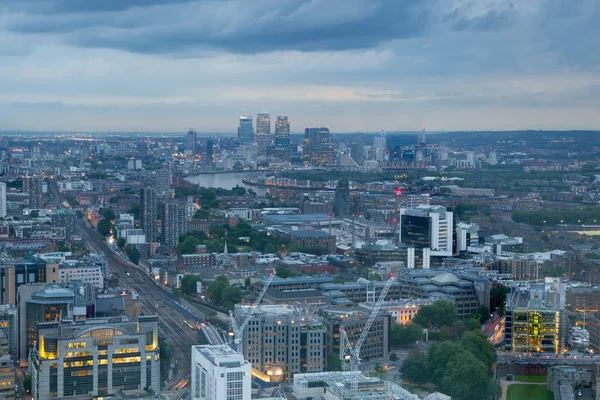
column 415, row 231
column 263, row 132
column 246, row 130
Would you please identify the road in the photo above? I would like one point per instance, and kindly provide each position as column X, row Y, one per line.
column 172, row 321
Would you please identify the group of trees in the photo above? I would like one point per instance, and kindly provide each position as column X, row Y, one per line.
column 105, row 227
column 133, row 254
column 108, row 213
column 223, row 294
column 461, row 368
column 209, row 195
column 439, row 313
column 188, row 283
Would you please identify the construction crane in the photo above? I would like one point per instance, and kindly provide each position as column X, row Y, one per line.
column 350, row 355
column 238, row 331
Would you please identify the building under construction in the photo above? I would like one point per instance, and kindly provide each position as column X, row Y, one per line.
column 351, row 385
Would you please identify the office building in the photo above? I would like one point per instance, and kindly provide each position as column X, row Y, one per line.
column 313, row 240
column 34, row 187
column 357, row 148
column 148, row 205
column 14, row 273
column 96, row 357
column 352, row 320
column 209, row 158
column 7, row 370
column 263, row 131
column 402, row 311
column 69, row 271
column 536, row 318
column 190, row 141
column 48, row 303
column 466, row 235
column 2, row 199
column 220, row 373
column 341, row 203
column 64, row 218
column 281, row 340
column 173, row 222
column 282, row 138
column 379, row 146
column 8, row 327
column 429, row 229
column 245, row 130
column 416, row 200
column 163, row 183
column 317, row 148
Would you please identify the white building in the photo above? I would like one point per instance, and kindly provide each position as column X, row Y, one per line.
column 416, row 200
column 2, row 199
column 135, row 236
column 220, row 373
column 75, row 271
column 466, row 235
column 403, row 310
column 379, row 146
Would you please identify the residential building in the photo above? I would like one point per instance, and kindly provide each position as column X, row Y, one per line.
column 220, row 373
column 190, row 141
column 96, row 260
column 163, row 183
column 34, row 187
column 317, row 148
column 352, row 320
column 263, row 131
column 64, row 218
column 95, row 357
column 429, row 230
column 313, row 240
column 69, row 271
column 379, row 146
column 281, row 340
column 148, row 205
column 173, row 222
column 357, row 148
column 2, row 199
column 245, row 130
column 7, row 370
column 342, row 199
column 582, row 299
column 535, row 319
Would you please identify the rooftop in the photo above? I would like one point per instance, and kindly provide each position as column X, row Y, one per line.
column 310, row 234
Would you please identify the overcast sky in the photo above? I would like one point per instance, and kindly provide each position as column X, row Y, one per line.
column 168, row 65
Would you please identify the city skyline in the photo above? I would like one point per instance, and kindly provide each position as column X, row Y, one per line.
column 373, row 65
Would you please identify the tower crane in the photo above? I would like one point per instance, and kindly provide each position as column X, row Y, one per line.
column 350, row 355
column 238, row 331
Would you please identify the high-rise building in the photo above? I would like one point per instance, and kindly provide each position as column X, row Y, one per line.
column 209, row 155
column 14, row 274
column 97, row 357
column 220, row 373
column 2, row 200
column 281, row 340
column 190, row 141
column 148, row 205
column 357, row 147
column 8, row 326
column 173, row 222
column 466, row 235
column 7, row 370
column 163, row 183
column 263, row 131
column 64, row 218
column 282, row 133
column 536, row 318
column 429, row 229
column 246, row 130
column 318, row 150
column 379, row 146
column 34, row 187
column 341, row 204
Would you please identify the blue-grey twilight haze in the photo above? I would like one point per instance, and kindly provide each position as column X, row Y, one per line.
column 167, row 65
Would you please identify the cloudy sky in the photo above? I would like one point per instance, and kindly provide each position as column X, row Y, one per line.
column 167, row 65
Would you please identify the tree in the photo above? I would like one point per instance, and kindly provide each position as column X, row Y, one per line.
column 247, row 283
column 270, row 248
column 466, row 378
column 482, row 313
column 472, row 324
column 201, row 214
column 105, row 227
column 477, row 344
column 414, row 367
column 393, row 357
column 498, row 298
column 34, row 214
column 121, row 242
column 108, row 213
column 188, row 283
column 217, row 231
column 79, row 214
column 188, row 246
column 435, row 315
column 216, row 288
column 438, row 357
column 231, row 296
column 376, row 277
column 339, row 279
column 406, row 334
column 133, row 254
column 135, row 210
column 282, row 272
column 27, row 383
column 333, row 362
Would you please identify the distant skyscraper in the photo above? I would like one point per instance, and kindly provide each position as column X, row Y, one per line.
column 148, row 205
column 173, row 222
column 209, row 154
column 263, row 131
column 2, row 199
column 357, row 148
column 246, row 130
column 34, row 187
column 342, row 199
column 282, row 133
column 317, row 147
column 190, row 141
column 163, row 182
column 379, row 146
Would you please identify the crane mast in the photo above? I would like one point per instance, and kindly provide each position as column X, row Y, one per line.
column 350, row 355
column 238, row 331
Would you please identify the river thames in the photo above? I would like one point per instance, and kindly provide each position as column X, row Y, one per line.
column 225, row 181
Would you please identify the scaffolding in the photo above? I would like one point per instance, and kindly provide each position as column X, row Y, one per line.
column 339, row 386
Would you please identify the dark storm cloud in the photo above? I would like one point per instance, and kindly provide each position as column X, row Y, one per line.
column 238, row 27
